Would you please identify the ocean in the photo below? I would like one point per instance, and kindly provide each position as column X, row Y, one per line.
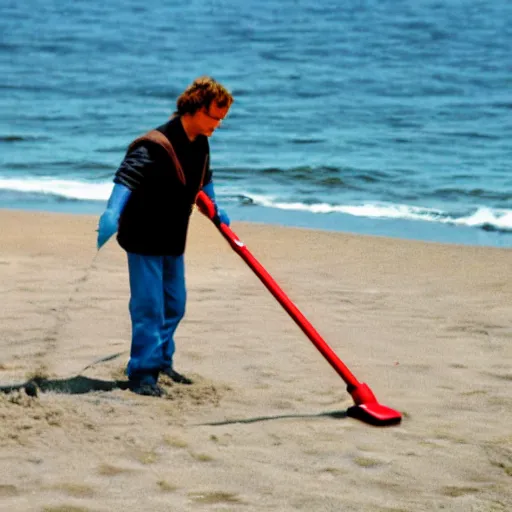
column 382, row 117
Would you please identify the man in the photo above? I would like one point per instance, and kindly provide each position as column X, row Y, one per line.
column 150, row 206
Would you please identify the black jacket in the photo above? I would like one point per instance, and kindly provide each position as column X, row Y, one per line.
column 156, row 217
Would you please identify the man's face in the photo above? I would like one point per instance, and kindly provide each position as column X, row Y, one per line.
column 208, row 120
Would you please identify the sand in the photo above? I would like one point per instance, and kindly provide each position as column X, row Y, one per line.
column 263, row 428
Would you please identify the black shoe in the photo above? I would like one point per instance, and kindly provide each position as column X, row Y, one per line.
column 146, row 385
column 176, row 377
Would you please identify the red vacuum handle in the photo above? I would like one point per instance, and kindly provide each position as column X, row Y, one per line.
column 207, row 207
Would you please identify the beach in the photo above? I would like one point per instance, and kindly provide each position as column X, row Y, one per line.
column 427, row 326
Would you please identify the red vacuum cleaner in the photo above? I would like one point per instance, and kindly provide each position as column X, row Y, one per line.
column 366, row 407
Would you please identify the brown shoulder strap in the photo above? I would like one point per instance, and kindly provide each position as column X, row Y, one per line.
column 159, row 138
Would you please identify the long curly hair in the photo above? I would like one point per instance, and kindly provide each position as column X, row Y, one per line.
column 202, row 92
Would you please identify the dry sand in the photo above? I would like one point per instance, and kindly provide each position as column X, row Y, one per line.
column 427, row 326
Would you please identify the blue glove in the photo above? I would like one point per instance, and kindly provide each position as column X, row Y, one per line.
column 109, row 220
column 223, row 216
column 210, row 192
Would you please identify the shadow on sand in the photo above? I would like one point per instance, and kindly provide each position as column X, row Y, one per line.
column 330, row 414
column 77, row 385
column 73, row 386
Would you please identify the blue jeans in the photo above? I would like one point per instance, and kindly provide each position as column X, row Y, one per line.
column 157, row 305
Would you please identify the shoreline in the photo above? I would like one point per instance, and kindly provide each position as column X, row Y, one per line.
column 399, row 229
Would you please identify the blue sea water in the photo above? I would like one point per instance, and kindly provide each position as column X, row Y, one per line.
column 385, row 117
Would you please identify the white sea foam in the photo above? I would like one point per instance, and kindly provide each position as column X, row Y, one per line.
column 481, row 217
column 499, row 219
column 69, row 189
